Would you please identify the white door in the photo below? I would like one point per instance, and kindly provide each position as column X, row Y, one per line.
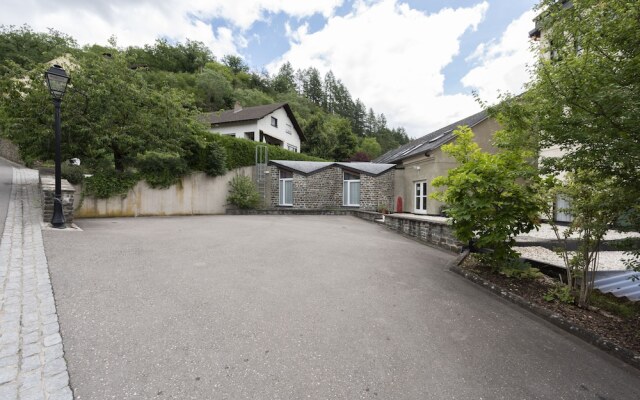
column 420, row 197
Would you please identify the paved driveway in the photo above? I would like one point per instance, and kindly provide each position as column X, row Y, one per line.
column 320, row 307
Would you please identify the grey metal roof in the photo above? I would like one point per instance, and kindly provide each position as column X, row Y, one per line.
column 310, row 167
column 618, row 283
column 367, row 167
column 250, row 114
column 430, row 141
column 305, row 167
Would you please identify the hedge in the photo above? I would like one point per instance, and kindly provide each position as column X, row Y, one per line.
column 242, row 152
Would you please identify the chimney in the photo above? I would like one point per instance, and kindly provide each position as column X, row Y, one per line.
column 237, row 107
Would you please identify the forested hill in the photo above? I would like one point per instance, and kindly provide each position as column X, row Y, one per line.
column 336, row 125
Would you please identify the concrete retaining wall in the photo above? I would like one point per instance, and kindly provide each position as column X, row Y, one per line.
column 195, row 194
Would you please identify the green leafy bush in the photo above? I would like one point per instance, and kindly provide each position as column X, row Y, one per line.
column 74, row 174
column 243, row 193
column 215, row 159
column 520, row 270
column 242, row 152
column 106, row 183
column 161, row 169
column 488, row 197
column 561, row 293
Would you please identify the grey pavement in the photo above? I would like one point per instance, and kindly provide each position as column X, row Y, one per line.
column 32, row 364
column 292, row 307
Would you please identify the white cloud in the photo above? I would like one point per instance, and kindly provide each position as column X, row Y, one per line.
column 138, row 22
column 502, row 64
column 392, row 57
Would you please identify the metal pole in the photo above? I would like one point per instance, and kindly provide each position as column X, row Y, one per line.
column 57, row 220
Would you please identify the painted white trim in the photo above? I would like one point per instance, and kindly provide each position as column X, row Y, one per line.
column 418, row 197
column 345, row 199
column 282, row 188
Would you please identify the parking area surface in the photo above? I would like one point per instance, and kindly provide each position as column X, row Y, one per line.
column 278, row 307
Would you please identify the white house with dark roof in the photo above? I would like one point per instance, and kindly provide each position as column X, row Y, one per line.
column 272, row 124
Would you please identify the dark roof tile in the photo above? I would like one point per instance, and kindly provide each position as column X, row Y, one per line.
column 430, row 141
column 250, row 114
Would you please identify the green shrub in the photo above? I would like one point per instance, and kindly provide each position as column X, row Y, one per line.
column 215, row 159
column 161, row 169
column 74, row 174
column 107, row 183
column 242, row 152
column 243, row 193
column 488, row 197
column 560, row 292
column 194, row 149
column 519, row 270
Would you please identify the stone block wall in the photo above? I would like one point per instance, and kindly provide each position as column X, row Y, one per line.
column 10, row 151
column 433, row 232
column 47, row 183
column 377, row 191
column 323, row 190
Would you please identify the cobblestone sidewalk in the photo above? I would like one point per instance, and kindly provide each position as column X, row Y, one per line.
column 32, row 365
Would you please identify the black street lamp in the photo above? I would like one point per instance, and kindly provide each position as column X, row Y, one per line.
column 57, row 80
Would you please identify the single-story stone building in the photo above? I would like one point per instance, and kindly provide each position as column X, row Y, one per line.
column 330, row 185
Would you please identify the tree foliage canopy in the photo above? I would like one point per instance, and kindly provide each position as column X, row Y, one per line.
column 583, row 99
column 177, row 79
column 486, row 197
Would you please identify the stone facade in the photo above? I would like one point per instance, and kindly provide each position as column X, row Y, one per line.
column 48, row 186
column 10, row 151
column 434, row 232
column 323, row 190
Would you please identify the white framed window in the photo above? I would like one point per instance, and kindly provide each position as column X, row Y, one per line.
column 274, row 121
column 562, row 213
column 291, row 147
column 289, row 129
column 285, row 188
column 420, row 197
column 351, row 189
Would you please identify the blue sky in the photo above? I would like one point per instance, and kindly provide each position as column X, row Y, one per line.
column 417, row 61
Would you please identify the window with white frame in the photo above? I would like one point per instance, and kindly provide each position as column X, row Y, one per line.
column 351, row 189
column 421, row 197
column 274, row 122
column 291, row 147
column 289, row 129
column 285, row 188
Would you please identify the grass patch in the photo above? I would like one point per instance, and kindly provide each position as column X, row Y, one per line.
column 619, row 307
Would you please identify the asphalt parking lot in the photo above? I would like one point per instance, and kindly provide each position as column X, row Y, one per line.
column 293, row 307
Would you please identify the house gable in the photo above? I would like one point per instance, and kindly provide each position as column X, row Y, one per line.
column 273, row 123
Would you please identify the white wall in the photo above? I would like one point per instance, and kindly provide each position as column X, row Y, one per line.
column 195, row 194
column 280, row 114
column 264, row 124
column 238, row 129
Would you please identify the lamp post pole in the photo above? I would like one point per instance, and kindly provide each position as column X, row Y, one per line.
column 57, row 220
column 57, row 80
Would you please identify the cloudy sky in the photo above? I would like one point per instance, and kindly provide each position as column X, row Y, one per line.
column 417, row 61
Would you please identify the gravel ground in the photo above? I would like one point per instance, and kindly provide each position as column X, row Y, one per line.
column 546, row 232
column 609, row 260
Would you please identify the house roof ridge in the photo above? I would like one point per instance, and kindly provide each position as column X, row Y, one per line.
column 431, row 140
column 310, row 167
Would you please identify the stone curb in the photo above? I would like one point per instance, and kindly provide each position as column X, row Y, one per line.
column 587, row 335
